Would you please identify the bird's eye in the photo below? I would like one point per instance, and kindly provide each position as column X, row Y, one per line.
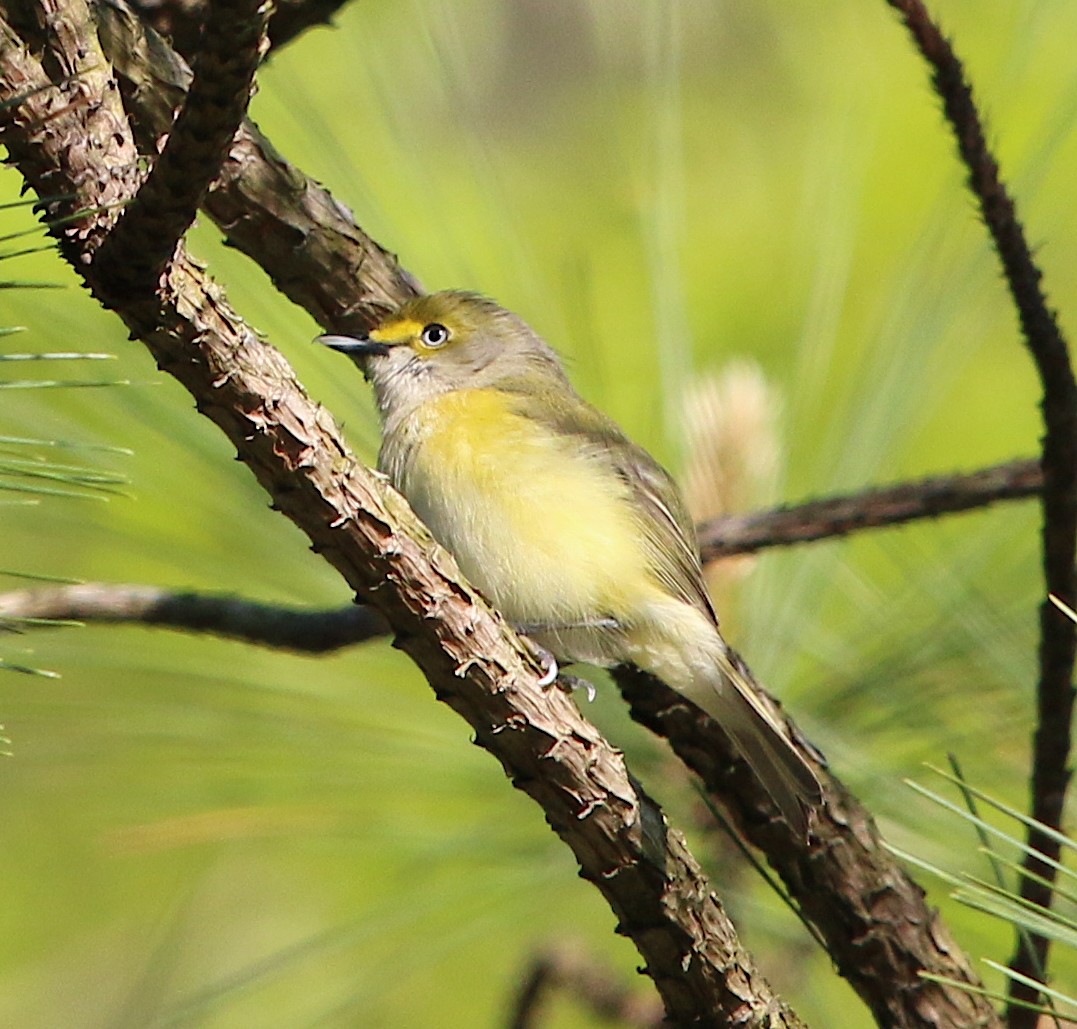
column 435, row 335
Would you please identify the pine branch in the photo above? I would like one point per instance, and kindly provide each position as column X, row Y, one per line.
column 618, row 834
column 1047, row 346
column 877, row 508
column 307, row 243
column 304, row 631
column 145, row 235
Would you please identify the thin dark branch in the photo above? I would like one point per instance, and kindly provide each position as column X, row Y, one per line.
column 145, row 235
column 594, row 989
column 876, row 508
column 305, row 631
column 329, row 629
column 1058, row 641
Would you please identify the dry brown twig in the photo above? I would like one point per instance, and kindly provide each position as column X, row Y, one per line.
column 565, row 968
column 320, row 631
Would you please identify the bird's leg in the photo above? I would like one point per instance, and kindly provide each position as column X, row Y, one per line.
column 530, row 628
column 569, row 683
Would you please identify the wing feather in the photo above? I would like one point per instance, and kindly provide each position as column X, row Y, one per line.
column 664, row 522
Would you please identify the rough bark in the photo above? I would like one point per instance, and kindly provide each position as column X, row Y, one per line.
column 879, row 930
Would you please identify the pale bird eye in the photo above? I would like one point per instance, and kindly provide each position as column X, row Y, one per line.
column 435, row 335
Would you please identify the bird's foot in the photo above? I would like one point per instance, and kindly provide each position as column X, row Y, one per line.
column 549, row 662
column 545, row 658
column 552, row 673
column 573, row 684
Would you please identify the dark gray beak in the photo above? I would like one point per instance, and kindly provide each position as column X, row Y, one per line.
column 359, row 346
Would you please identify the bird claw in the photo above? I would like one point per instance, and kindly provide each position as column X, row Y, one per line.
column 573, row 684
column 551, row 669
column 550, row 675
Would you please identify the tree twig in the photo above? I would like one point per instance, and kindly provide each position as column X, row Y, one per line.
column 880, row 507
column 145, row 235
column 329, row 629
column 305, row 631
column 594, row 988
column 1043, row 337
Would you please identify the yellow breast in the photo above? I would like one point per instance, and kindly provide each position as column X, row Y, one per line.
column 537, row 520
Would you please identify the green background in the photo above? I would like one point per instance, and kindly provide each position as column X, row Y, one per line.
column 197, row 832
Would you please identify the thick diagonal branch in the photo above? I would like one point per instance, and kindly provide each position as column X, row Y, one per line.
column 1046, row 344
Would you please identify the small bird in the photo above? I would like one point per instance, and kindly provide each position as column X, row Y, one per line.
column 572, row 531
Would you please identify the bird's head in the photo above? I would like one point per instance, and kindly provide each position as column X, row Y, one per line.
column 448, row 341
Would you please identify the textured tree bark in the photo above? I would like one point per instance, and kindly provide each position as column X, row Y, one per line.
column 878, row 929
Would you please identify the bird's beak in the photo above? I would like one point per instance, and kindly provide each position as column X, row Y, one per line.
column 360, row 346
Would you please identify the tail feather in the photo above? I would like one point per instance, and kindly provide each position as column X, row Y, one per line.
column 781, row 771
column 780, row 768
column 761, row 741
column 679, row 644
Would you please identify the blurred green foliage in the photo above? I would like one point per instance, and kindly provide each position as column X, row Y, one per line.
column 200, row 833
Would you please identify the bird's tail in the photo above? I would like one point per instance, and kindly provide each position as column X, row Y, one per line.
column 762, row 742
column 681, row 646
column 784, row 774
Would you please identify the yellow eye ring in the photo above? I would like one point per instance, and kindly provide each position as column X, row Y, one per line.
column 435, row 335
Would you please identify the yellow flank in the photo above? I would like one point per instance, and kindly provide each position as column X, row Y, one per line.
column 539, row 523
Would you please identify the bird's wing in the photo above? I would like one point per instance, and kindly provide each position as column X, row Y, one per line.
column 667, row 526
column 663, row 518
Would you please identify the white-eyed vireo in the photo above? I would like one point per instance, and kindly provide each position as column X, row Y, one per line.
column 571, row 530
